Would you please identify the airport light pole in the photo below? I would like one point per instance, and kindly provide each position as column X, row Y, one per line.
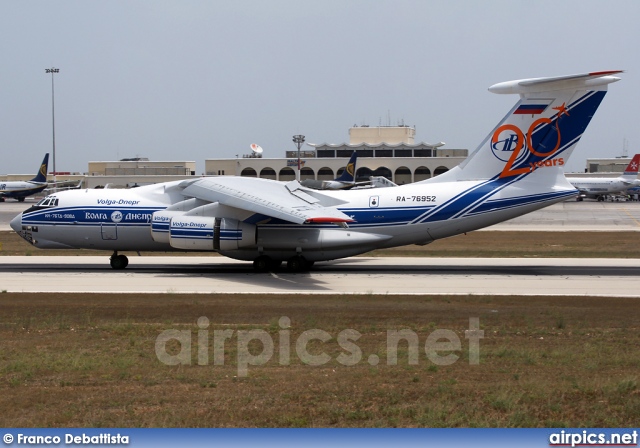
column 298, row 140
column 53, row 70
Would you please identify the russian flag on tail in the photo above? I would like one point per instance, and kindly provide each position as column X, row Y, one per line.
column 531, row 107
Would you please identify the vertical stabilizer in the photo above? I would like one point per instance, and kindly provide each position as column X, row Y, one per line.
column 539, row 133
column 41, row 176
column 349, row 174
column 632, row 168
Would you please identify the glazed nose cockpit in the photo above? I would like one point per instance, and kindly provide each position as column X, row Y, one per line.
column 16, row 223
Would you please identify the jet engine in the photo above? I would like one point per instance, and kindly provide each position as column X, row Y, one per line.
column 210, row 234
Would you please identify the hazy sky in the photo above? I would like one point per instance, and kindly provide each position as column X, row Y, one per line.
column 190, row 80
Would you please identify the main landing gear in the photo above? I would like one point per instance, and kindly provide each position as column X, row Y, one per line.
column 118, row 261
column 265, row 264
column 295, row 264
column 298, row 264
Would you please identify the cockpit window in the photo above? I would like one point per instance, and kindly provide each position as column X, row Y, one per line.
column 49, row 201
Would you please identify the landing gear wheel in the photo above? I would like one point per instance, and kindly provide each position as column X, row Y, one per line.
column 118, row 261
column 266, row 264
column 262, row 263
column 20, row 199
column 298, row 264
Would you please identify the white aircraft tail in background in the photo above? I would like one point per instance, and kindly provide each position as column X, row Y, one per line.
column 517, row 169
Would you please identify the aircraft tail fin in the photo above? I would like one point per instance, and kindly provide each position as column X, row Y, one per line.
column 41, row 176
column 539, row 133
column 349, row 174
column 632, row 168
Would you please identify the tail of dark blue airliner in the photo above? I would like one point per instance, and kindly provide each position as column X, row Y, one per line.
column 348, row 175
column 41, row 176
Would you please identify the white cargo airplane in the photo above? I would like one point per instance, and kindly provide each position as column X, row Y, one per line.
column 516, row 169
column 599, row 187
column 21, row 189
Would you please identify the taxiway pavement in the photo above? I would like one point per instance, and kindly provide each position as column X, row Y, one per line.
column 358, row 275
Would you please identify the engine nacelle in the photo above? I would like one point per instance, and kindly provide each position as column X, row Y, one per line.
column 205, row 233
column 160, row 224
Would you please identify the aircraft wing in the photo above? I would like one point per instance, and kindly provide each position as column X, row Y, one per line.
column 64, row 183
column 286, row 201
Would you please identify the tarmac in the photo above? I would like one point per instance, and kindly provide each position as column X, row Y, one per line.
column 356, row 275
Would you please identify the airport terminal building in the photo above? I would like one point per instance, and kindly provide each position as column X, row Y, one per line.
column 388, row 151
column 401, row 170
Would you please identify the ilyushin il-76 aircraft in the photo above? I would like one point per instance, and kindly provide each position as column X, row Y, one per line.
column 518, row 168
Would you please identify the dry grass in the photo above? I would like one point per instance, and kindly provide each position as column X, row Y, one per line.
column 89, row 360
column 474, row 244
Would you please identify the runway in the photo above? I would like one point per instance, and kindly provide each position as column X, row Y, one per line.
column 357, row 275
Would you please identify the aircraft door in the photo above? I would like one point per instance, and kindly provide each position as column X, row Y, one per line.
column 109, row 231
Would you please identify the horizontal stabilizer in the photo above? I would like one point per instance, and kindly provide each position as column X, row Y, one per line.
column 537, row 85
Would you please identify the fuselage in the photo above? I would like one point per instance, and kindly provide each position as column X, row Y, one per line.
column 603, row 186
column 120, row 220
column 21, row 189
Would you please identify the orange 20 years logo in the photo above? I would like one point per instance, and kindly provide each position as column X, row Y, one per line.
column 508, row 169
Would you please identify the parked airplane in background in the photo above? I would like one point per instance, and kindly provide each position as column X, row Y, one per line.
column 21, row 189
column 515, row 170
column 599, row 187
column 345, row 181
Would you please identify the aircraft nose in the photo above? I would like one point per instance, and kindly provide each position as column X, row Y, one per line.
column 16, row 223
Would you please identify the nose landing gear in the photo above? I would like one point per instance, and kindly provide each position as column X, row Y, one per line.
column 118, row 261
